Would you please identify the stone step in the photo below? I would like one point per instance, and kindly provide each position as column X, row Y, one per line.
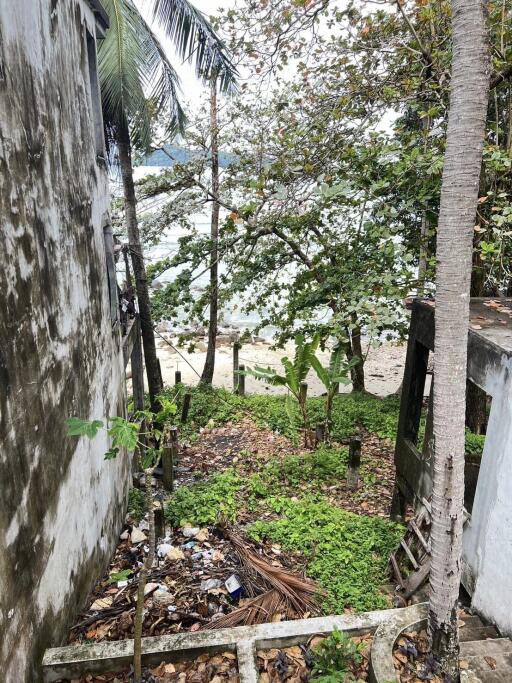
column 472, row 620
column 486, row 661
column 471, row 633
column 484, row 648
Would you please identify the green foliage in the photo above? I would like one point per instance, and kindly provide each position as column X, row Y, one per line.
column 334, row 656
column 205, row 502
column 120, row 576
column 208, row 405
column 294, row 374
column 124, row 433
column 346, row 553
column 378, row 415
column 309, row 472
column 79, row 427
column 137, row 79
column 474, row 444
column 136, row 503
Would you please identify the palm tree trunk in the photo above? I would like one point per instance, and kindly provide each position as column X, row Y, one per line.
column 476, row 399
column 459, row 193
column 139, row 270
column 209, row 365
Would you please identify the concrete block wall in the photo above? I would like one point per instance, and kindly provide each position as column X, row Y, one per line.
column 61, row 504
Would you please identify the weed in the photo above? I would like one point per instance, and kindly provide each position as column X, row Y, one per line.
column 308, row 472
column 346, row 553
column 205, row 502
column 334, row 657
column 474, row 445
column 207, row 404
column 377, row 415
column 136, row 504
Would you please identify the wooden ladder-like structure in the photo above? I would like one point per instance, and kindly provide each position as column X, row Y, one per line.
column 413, row 553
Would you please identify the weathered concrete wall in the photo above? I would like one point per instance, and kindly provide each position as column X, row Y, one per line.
column 61, row 504
column 488, row 535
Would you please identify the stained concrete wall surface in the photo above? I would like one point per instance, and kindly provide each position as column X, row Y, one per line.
column 61, row 503
column 488, row 535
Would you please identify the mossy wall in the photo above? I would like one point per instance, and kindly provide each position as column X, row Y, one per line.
column 61, row 505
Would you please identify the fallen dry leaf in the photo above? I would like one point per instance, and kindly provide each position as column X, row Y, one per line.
column 491, row 662
column 101, row 603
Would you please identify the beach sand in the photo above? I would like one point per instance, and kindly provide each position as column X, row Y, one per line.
column 383, row 368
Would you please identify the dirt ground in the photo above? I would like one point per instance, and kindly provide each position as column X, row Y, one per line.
column 187, row 590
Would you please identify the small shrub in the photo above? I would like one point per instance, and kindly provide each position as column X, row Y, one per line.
column 307, row 472
column 334, row 657
column 474, row 444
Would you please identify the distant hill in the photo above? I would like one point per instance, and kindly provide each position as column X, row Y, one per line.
column 181, row 155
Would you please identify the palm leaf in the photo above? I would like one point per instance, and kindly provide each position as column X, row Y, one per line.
column 336, row 361
column 292, row 378
column 289, row 405
column 137, row 80
column 195, row 40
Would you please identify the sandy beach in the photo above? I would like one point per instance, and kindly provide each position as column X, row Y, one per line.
column 383, row 368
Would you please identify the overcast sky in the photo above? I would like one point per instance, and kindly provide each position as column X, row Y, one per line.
column 193, row 90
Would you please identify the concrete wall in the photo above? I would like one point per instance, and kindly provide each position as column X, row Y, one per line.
column 488, row 535
column 61, row 504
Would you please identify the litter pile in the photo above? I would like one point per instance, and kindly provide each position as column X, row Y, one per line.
column 202, row 578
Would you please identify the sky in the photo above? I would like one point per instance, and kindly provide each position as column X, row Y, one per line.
column 193, row 90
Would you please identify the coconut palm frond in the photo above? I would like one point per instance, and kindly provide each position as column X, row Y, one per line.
column 164, row 83
column 196, row 41
column 137, row 80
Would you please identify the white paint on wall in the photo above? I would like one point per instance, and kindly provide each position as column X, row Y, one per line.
column 61, row 503
column 488, row 535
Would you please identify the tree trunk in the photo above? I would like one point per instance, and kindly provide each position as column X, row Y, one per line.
column 353, row 349
column 459, row 193
column 476, row 408
column 209, row 365
column 143, row 578
column 476, row 399
column 423, row 257
column 139, row 270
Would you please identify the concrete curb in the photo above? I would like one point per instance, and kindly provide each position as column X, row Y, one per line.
column 382, row 669
column 76, row 660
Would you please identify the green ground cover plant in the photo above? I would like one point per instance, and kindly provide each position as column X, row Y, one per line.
column 378, row 415
column 306, row 472
column 205, row 502
column 346, row 553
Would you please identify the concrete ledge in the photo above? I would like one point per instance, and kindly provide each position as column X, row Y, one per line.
column 382, row 669
column 78, row 660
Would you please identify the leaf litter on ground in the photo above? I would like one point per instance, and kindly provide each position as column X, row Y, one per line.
column 177, row 601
